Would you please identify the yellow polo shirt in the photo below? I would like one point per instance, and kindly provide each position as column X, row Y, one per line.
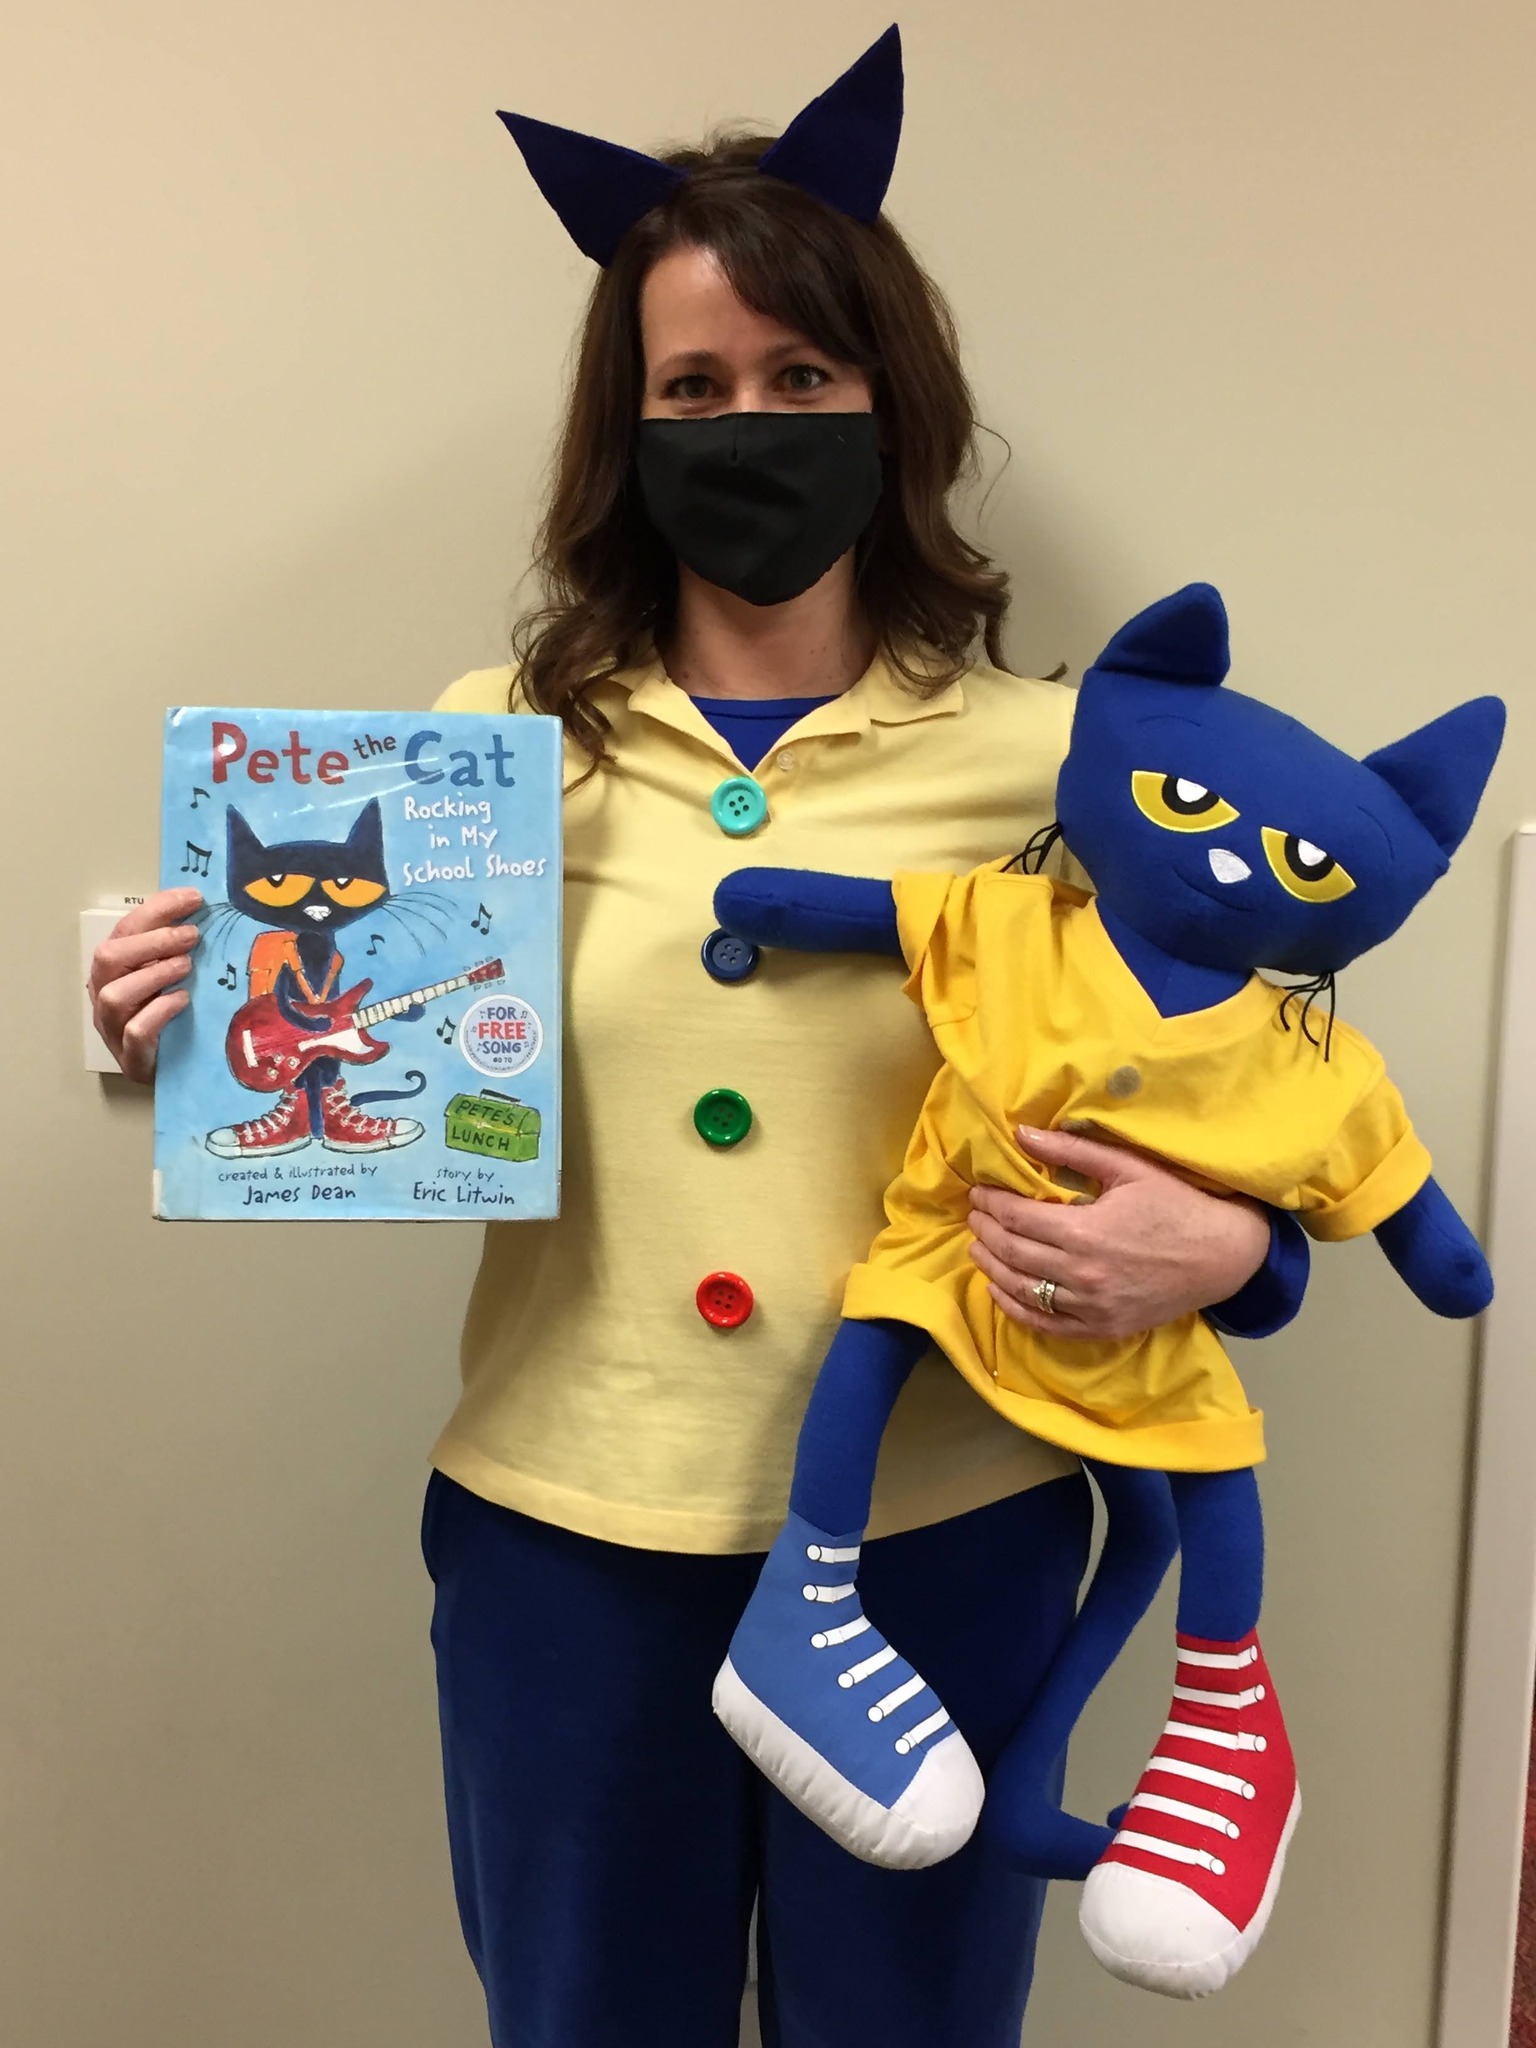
column 595, row 1395
column 1041, row 1022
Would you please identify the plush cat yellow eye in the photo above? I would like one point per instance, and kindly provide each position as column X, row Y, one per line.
column 280, row 892
column 1304, row 869
column 352, row 892
column 1179, row 804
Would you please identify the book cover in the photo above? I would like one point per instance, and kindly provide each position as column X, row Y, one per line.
column 374, row 1030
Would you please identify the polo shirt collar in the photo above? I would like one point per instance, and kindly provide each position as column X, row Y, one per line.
column 881, row 696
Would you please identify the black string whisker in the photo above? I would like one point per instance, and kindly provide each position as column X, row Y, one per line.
column 1032, row 858
column 1306, row 993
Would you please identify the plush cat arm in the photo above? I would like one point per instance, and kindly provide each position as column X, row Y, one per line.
column 1273, row 1297
column 812, row 912
column 1436, row 1254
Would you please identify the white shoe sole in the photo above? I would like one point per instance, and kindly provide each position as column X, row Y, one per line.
column 934, row 1817
column 227, row 1148
column 1156, row 1933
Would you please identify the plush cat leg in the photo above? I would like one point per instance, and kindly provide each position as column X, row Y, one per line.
column 1023, row 1812
column 1184, row 1891
column 824, row 1706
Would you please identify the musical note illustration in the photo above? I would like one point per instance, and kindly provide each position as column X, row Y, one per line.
column 196, row 793
column 377, row 939
column 446, row 1029
column 229, row 971
column 197, row 859
column 474, row 923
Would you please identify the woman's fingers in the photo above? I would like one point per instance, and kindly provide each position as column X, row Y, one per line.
column 122, row 998
column 1056, row 1226
column 118, row 956
column 166, row 906
column 141, row 1034
column 1014, row 1293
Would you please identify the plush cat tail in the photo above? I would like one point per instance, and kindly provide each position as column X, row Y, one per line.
column 1441, row 770
column 1180, row 639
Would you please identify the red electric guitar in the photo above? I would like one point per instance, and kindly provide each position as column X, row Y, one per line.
column 268, row 1050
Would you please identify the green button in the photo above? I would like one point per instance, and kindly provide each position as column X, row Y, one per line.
column 722, row 1117
column 738, row 805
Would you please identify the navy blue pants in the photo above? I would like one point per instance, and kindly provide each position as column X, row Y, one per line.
column 609, row 1839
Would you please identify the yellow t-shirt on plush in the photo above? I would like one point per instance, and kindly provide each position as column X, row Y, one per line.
column 1040, row 1022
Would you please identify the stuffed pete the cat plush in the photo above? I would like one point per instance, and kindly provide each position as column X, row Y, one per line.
column 1222, row 837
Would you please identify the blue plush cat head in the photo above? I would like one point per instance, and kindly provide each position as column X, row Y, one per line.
column 1230, row 835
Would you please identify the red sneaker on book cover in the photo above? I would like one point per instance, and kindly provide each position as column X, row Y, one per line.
column 346, row 1128
column 284, row 1128
column 1179, row 1899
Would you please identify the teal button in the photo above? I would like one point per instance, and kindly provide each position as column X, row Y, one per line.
column 738, row 805
column 723, row 1116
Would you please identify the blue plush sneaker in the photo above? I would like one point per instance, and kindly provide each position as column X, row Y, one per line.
column 844, row 1727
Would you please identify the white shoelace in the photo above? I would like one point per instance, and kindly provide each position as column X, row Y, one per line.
column 825, row 1639
column 1222, row 1781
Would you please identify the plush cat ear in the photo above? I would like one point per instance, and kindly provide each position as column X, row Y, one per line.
column 1441, row 770
column 1180, row 639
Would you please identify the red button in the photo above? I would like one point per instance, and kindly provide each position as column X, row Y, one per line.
column 724, row 1299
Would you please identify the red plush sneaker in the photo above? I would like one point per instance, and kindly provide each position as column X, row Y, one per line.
column 284, row 1128
column 1179, row 1899
column 346, row 1128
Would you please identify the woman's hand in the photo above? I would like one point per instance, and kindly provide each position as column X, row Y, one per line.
column 1149, row 1249
column 133, row 973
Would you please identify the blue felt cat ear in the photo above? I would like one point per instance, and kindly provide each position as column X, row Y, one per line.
column 1441, row 770
column 841, row 149
column 598, row 189
column 1180, row 639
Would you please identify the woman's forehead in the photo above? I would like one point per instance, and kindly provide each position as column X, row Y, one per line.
column 688, row 307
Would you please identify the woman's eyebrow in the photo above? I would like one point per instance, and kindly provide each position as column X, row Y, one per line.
column 687, row 358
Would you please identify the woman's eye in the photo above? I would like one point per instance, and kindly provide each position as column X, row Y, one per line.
column 806, row 377
column 1304, row 870
column 690, row 390
column 1178, row 804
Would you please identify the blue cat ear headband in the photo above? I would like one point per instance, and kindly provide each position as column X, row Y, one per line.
column 840, row 149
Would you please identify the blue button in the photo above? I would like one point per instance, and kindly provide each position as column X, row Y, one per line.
column 738, row 805
column 728, row 958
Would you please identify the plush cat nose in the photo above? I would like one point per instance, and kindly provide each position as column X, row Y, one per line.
column 319, row 910
column 1228, row 867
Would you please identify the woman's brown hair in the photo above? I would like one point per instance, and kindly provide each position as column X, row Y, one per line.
column 857, row 291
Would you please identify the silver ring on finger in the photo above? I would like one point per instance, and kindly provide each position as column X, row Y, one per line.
column 1045, row 1296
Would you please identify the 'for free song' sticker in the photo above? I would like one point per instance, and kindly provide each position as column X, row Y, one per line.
column 501, row 1036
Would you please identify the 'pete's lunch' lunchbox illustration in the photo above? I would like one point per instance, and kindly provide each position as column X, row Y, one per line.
column 495, row 1126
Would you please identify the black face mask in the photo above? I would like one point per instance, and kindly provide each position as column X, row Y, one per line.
column 760, row 503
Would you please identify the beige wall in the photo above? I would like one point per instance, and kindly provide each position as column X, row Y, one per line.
column 1246, row 288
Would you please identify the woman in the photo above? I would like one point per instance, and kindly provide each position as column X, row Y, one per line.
column 634, row 1374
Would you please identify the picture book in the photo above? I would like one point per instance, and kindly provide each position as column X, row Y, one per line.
column 374, row 1029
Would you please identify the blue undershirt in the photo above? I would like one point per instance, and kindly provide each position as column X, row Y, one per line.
column 752, row 726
